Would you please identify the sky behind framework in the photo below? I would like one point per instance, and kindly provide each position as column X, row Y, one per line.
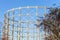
column 9, row 4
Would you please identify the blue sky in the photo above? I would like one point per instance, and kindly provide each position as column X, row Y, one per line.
column 9, row 4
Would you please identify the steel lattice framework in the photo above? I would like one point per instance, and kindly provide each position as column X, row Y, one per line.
column 19, row 23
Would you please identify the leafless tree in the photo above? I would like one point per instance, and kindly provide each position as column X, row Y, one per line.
column 51, row 24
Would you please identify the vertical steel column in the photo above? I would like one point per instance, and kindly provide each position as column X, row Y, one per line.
column 22, row 30
column 18, row 32
column 19, row 24
column 13, row 26
column 8, row 26
column 36, row 22
column 20, row 21
column 28, row 23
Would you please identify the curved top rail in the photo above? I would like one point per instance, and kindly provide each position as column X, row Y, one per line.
column 24, row 7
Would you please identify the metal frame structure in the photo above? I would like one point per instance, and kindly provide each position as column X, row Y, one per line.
column 21, row 26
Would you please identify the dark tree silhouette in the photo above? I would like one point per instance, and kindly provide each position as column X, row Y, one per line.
column 51, row 24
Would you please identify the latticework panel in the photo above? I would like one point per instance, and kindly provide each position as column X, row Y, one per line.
column 19, row 23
